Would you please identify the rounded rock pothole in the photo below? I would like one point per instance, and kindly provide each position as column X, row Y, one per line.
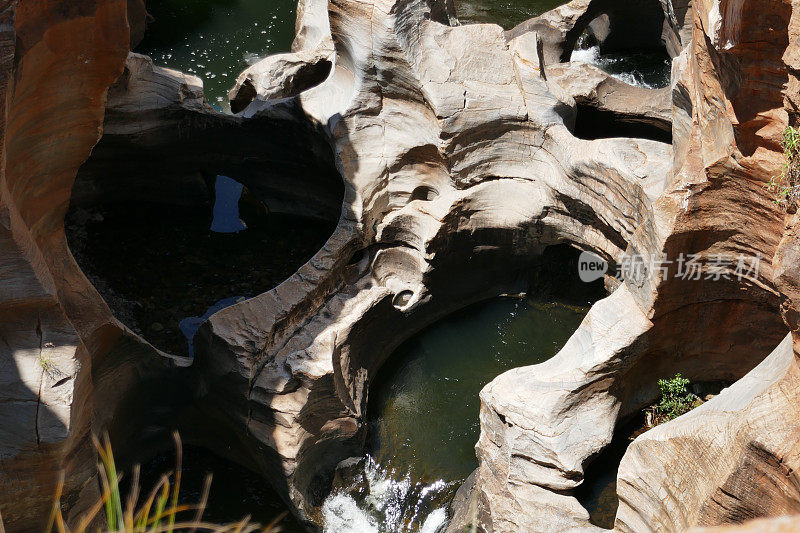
column 164, row 268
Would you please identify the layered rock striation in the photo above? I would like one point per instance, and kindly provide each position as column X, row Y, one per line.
column 463, row 152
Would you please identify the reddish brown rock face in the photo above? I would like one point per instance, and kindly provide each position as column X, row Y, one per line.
column 787, row 257
column 57, row 61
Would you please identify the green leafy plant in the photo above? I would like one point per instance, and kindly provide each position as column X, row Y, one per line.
column 159, row 512
column 675, row 399
column 46, row 362
column 786, row 186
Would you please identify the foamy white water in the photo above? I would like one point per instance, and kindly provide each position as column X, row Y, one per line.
column 435, row 522
column 592, row 56
column 391, row 506
column 342, row 514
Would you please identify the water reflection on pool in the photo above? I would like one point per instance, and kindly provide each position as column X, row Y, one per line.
column 423, row 413
column 217, row 39
column 506, row 13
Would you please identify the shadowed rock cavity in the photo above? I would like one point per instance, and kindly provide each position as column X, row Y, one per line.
column 593, row 123
column 602, row 106
column 235, row 491
column 147, row 210
column 636, row 25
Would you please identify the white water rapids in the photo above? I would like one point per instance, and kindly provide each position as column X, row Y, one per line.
column 390, row 506
column 614, row 65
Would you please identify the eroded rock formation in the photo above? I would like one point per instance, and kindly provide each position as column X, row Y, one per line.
column 541, row 426
column 47, row 390
column 436, row 128
column 459, row 148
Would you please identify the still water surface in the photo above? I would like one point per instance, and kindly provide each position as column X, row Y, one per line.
column 423, row 414
column 217, row 39
column 506, row 13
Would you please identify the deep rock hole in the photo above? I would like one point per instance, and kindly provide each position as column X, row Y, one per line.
column 425, row 193
column 165, row 268
column 168, row 242
column 598, row 492
column 421, row 423
column 592, row 123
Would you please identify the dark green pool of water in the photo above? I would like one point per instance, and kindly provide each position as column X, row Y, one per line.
column 506, row 13
column 214, row 39
column 235, row 491
column 157, row 264
column 424, row 406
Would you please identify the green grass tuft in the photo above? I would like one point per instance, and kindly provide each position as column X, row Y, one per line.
column 786, row 186
column 158, row 513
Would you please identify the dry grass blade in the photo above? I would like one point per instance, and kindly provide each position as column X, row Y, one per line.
column 201, row 507
column 56, row 510
column 161, row 504
column 85, row 520
column 133, row 497
column 143, row 515
column 157, row 514
column 272, row 527
column 178, row 469
column 202, row 526
column 244, row 526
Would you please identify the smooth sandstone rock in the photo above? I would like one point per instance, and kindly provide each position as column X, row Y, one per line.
column 456, row 146
column 281, row 76
column 53, row 87
column 437, row 129
column 542, row 425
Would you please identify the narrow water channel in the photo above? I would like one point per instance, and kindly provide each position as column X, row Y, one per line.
column 423, row 413
column 648, row 69
column 217, row 39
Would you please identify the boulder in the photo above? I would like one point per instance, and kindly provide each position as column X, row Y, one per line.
column 281, row 76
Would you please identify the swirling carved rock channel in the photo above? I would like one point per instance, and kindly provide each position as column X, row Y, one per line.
column 436, row 162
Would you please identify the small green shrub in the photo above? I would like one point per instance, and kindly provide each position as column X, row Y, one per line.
column 786, row 187
column 46, row 363
column 675, row 399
